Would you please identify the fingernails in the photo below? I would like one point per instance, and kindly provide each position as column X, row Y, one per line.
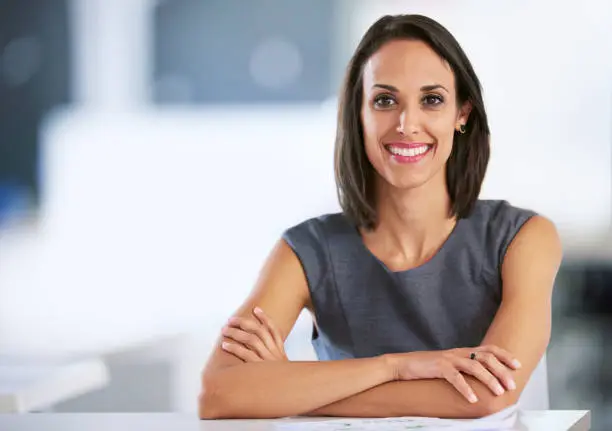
column 472, row 398
column 258, row 310
column 516, row 364
column 225, row 330
column 511, row 385
column 499, row 390
column 225, row 345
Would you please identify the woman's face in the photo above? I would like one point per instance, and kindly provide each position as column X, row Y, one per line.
column 409, row 113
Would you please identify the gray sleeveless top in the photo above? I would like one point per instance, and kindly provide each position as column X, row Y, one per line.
column 363, row 309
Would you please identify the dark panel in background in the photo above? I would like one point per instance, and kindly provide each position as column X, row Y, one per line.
column 579, row 366
column 34, row 78
column 243, row 51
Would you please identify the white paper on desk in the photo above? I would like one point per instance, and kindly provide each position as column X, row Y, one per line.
column 503, row 420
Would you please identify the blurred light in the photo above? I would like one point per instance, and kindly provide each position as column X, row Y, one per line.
column 21, row 60
column 276, row 63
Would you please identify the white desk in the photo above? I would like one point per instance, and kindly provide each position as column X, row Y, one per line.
column 33, row 384
column 535, row 420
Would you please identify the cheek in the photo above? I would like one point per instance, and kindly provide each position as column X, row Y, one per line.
column 374, row 130
column 368, row 123
column 376, row 125
column 443, row 129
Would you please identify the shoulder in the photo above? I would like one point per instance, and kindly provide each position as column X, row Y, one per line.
column 499, row 220
column 316, row 229
column 538, row 240
column 500, row 213
column 309, row 241
column 494, row 225
column 531, row 264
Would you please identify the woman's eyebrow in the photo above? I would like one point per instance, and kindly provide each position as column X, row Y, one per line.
column 387, row 87
column 423, row 88
column 433, row 87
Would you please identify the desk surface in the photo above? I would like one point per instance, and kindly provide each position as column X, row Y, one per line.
column 534, row 420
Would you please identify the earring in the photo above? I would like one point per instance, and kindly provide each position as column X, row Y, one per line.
column 461, row 128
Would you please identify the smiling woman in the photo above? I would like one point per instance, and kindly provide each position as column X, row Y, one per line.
column 408, row 117
column 425, row 300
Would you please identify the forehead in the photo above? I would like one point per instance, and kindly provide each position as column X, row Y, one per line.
column 407, row 63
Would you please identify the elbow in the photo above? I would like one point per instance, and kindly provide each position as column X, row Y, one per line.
column 210, row 404
column 220, row 398
column 206, row 407
column 494, row 404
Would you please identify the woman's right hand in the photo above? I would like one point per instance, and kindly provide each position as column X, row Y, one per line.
column 491, row 365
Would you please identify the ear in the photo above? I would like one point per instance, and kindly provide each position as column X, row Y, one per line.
column 464, row 113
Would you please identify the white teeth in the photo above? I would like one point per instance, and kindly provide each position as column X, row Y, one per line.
column 408, row 152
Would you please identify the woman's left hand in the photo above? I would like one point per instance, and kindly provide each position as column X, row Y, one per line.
column 254, row 339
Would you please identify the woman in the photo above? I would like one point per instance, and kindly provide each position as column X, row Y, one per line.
column 425, row 300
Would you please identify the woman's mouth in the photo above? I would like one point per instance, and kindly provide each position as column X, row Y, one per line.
column 408, row 153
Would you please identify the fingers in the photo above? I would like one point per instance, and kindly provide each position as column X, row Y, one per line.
column 255, row 328
column 240, row 352
column 249, row 340
column 455, row 378
column 267, row 322
column 502, row 355
column 477, row 370
column 498, row 369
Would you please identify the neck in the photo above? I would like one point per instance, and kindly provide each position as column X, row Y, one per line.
column 412, row 224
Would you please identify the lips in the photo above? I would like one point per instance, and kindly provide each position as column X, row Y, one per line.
column 412, row 152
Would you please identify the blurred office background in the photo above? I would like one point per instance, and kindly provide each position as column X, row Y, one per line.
column 152, row 152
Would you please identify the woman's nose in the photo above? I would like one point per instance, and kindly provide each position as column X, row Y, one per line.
column 408, row 122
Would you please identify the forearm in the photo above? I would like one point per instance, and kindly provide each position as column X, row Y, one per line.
column 284, row 388
column 432, row 397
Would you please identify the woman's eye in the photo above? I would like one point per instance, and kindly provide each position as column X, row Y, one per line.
column 384, row 101
column 433, row 100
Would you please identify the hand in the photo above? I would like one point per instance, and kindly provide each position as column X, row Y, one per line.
column 491, row 365
column 254, row 339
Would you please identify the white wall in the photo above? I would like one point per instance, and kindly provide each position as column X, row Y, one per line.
column 161, row 220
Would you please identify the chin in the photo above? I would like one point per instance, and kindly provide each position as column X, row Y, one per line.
column 407, row 183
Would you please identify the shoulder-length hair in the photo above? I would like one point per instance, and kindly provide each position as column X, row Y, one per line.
column 467, row 164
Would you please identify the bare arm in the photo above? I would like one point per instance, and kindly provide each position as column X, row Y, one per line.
column 523, row 322
column 278, row 389
column 521, row 326
column 234, row 389
column 434, row 398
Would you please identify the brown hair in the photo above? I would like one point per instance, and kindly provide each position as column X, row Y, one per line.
column 467, row 164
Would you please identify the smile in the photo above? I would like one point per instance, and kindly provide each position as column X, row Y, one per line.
column 408, row 153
